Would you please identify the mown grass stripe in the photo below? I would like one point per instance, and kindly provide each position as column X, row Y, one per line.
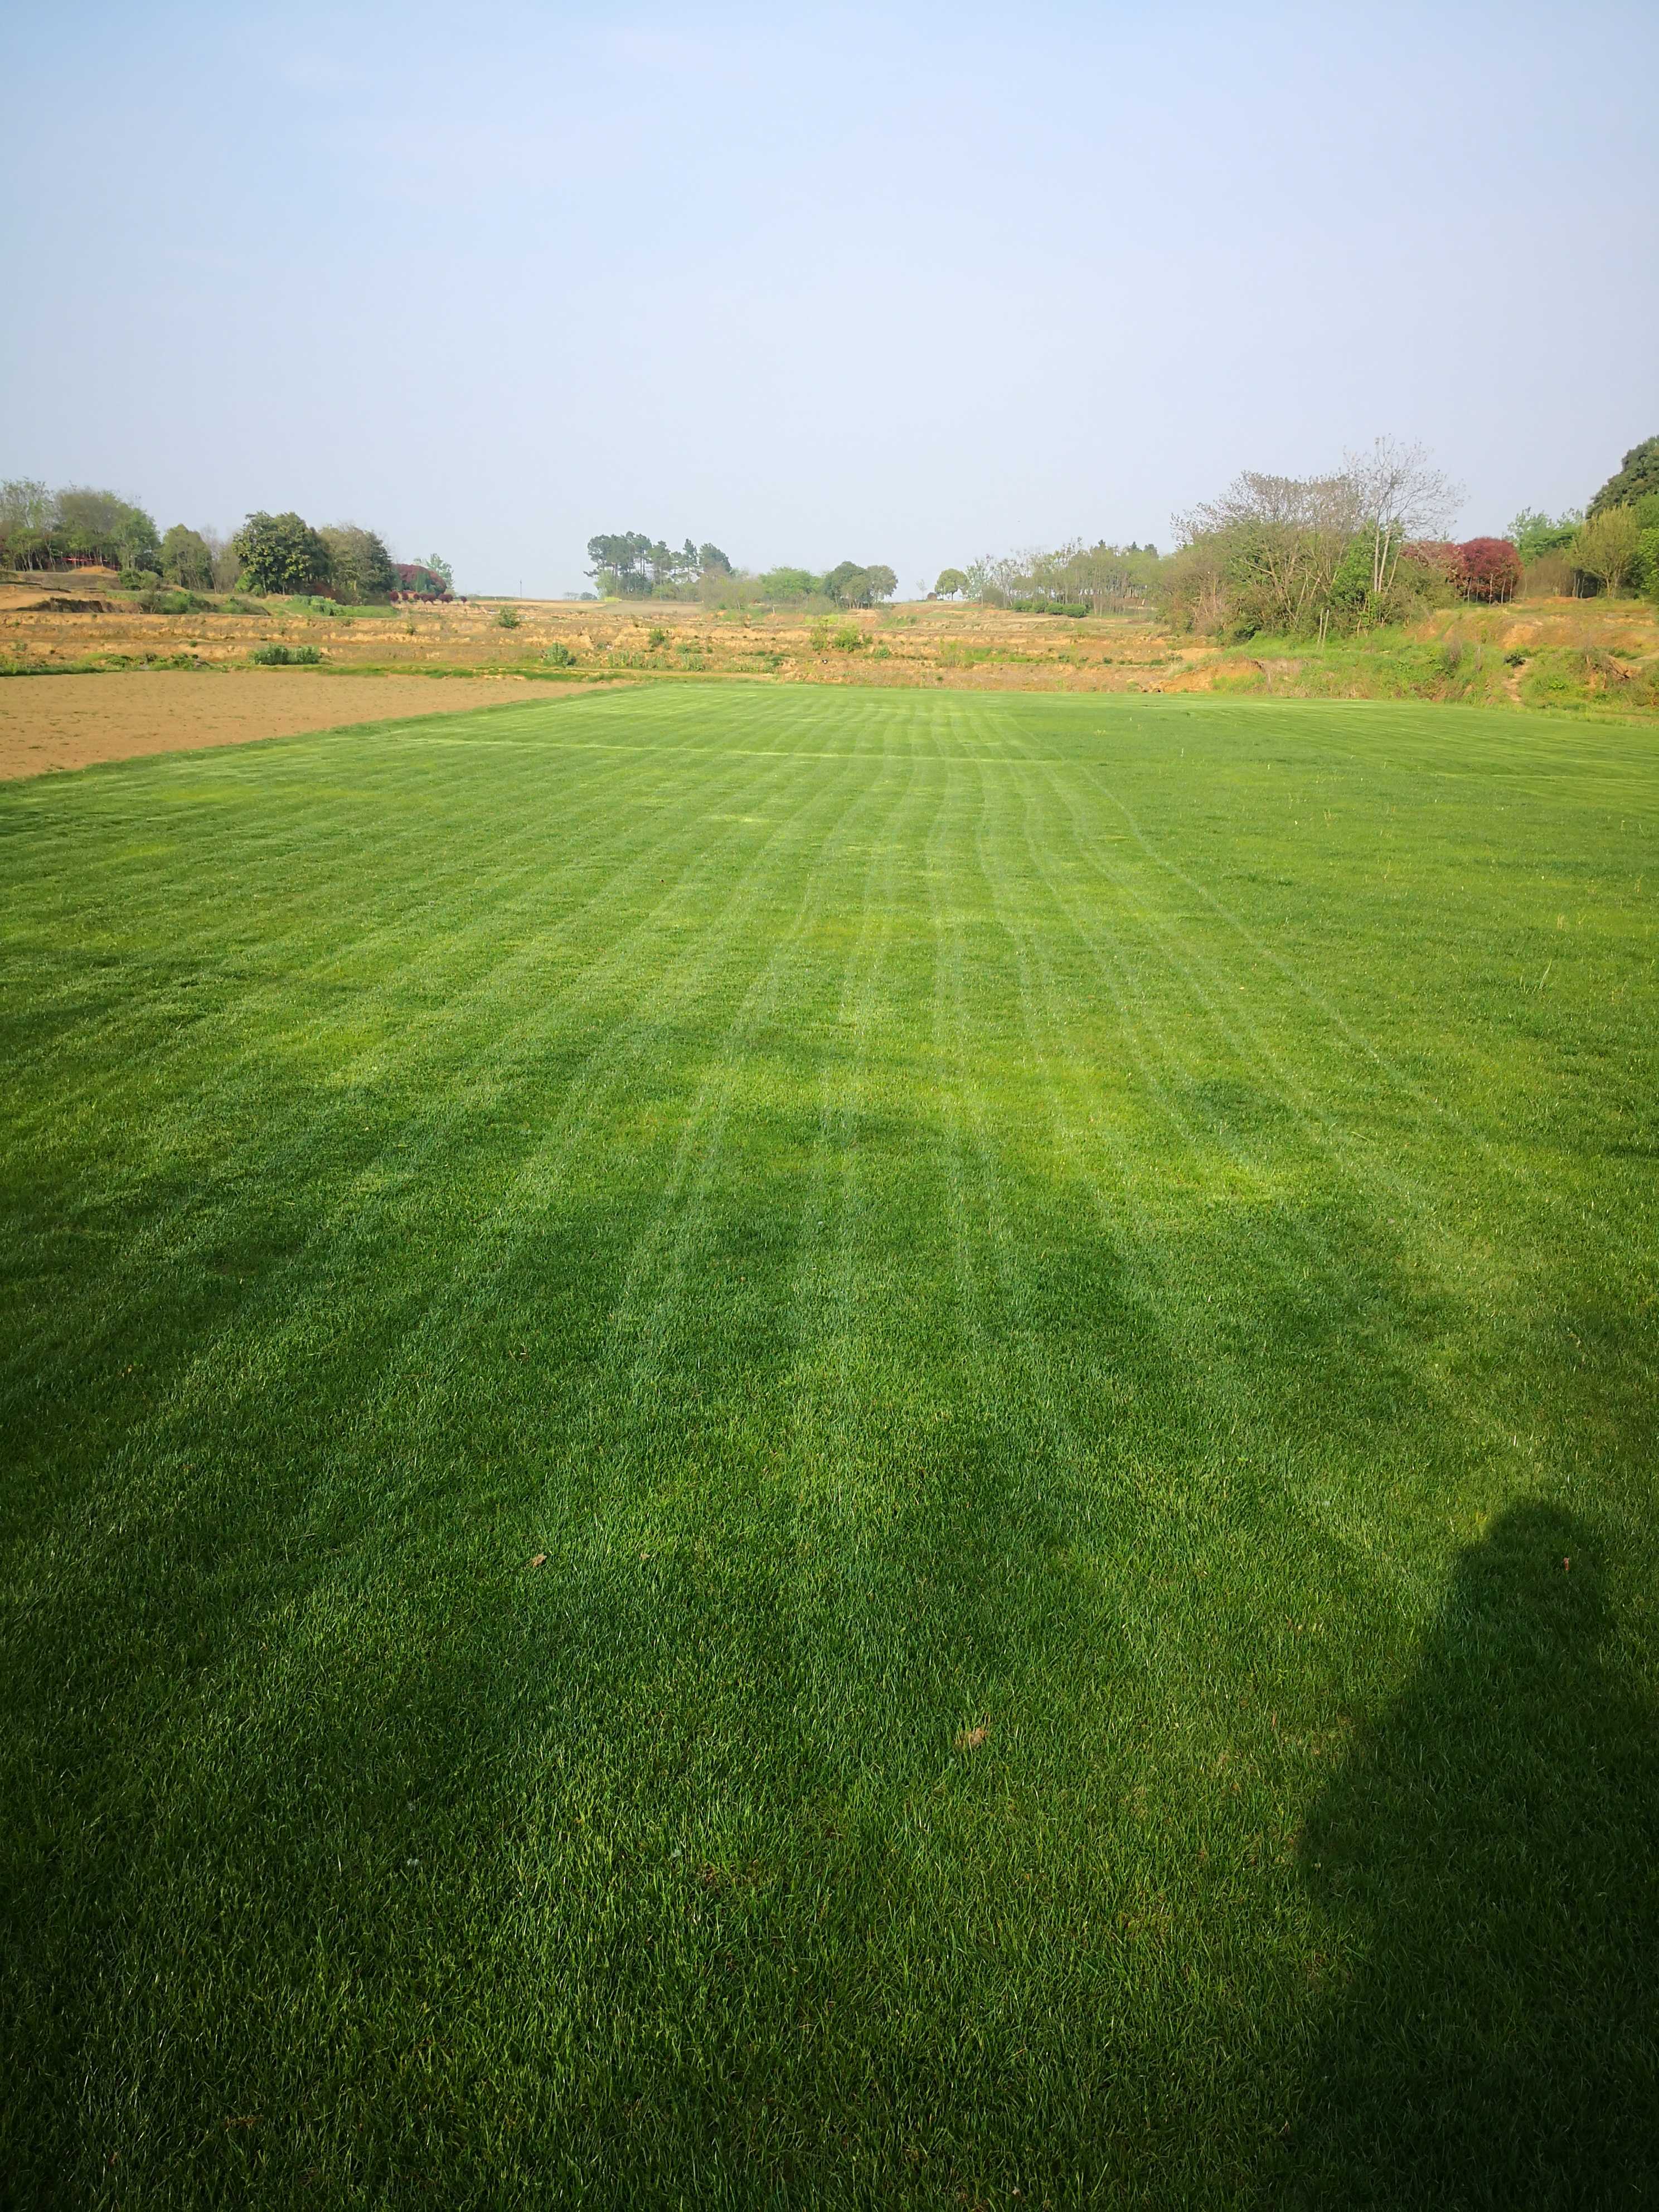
column 1051, row 1293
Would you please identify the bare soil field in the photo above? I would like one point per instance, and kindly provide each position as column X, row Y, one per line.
column 71, row 721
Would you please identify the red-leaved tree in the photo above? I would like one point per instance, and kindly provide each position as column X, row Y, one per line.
column 1492, row 569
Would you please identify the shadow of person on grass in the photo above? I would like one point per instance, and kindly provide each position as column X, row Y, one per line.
column 1494, row 1842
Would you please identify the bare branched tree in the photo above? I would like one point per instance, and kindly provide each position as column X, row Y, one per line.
column 1291, row 554
column 1398, row 494
column 226, row 560
column 1285, row 536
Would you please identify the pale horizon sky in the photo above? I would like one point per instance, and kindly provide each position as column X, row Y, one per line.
column 907, row 285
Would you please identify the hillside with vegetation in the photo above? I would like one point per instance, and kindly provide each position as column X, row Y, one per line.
column 79, row 526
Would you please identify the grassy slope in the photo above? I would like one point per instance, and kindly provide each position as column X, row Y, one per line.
column 1128, row 1227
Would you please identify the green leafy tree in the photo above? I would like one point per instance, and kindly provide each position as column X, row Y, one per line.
column 621, row 563
column 628, row 564
column 140, row 542
column 952, row 583
column 1638, row 476
column 1534, row 535
column 674, row 574
column 1606, row 547
column 440, row 566
column 186, row 559
column 101, row 526
column 785, row 585
column 361, row 569
column 282, row 553
column 1352, row 598
column 851, row 585
column 1193, row 585
column 26, row 512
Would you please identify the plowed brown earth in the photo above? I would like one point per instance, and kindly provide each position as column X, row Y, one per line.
column 71, row 721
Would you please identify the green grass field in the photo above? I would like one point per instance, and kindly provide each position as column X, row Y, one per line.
column 810, row 1448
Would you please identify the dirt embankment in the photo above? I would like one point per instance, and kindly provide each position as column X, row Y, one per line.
column 72, row 721
column 1553, row 652
column 84, row 619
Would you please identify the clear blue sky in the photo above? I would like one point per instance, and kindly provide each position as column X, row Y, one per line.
column 896, row 283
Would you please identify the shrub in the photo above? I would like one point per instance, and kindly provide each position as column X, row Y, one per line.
column 559, row 656
column 420, row 580
column 847, row 639
column 1580, row 676
column 1436, row 559
column 139, row 580
column 285, row 656
column 1548, row 577
column 172, row 602
column 507, row 618
column 654, row 638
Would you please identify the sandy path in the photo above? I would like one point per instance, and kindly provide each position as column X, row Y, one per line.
column 70, row 721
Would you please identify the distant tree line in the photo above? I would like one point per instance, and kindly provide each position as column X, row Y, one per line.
column 1611, row 546
column 1285, row 554
column 77, row 527
column 1073, row 578
column 282, row 553
column 849, row 584
column 629, row 565
column 1361, row 546
column 81, row 527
